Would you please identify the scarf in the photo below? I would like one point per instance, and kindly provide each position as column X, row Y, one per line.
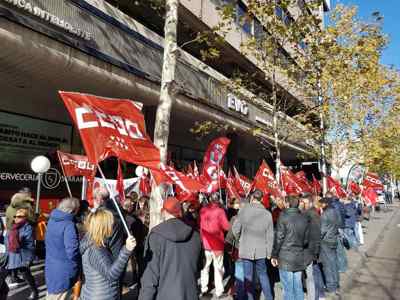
column 13, row 237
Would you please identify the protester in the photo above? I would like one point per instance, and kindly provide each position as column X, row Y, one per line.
column 116, row 240
column 350, row 222
column 254, row 229
column 21, row 250
column 330, row 224
column 213, row 224
column 233, row 243
column 20, row 201
column 62, row 250
column 291, row 238
column 280, row 206
column 172, row 255
column 311, row 252
column 102, row 272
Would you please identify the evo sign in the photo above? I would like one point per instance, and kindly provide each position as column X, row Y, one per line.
column 237, row 105
column 50, row 18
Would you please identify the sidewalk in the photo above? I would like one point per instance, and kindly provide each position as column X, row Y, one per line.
column 373, row 232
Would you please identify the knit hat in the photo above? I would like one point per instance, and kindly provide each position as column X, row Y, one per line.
column 173, row 207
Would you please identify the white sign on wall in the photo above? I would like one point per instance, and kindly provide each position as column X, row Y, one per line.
column 238, row 105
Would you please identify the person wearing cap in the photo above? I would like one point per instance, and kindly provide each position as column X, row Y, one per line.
column 255, row 231
column 172, row 254
column 330, row 224
column 213, row 224
column 20, row 200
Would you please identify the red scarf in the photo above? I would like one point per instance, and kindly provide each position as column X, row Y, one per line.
column 13, row 237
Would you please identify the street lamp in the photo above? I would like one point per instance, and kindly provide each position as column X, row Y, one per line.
column 40, row 164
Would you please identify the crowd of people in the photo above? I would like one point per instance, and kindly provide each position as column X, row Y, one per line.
column 299, row 242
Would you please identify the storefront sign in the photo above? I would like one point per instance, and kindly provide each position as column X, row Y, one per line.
column 237, row 105
column 50, row 18
column 21, row 134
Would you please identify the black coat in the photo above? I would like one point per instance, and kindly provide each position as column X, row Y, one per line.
column 291, row 238
column 118, row 236
column 311, row 252
column 172, row 254
column 331, row 221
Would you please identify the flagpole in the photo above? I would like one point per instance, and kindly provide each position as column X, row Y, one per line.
column 219, row 183
column 84, row 188
column 65, row 177
column 114, row 201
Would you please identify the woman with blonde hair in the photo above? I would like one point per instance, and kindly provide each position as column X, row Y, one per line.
column 102, row 274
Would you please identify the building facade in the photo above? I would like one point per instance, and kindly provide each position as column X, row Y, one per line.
column 99, row 47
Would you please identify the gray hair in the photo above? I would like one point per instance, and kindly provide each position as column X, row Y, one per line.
column 69, row 205
column 101, row 192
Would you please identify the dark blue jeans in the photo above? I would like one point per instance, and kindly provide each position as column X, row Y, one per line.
column 328, row 259
column 261, row 270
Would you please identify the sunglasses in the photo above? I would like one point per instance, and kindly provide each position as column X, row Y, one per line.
column 19, row 217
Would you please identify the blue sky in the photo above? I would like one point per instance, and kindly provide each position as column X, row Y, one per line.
column 390, row 9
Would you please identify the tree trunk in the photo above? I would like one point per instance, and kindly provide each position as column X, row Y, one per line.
column 161, row 128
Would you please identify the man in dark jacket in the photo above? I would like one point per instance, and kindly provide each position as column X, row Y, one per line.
column 118, row 236
column 172, row 253
column 330, row 224
column 62, row 250
column 311, row 252
column 291, row 238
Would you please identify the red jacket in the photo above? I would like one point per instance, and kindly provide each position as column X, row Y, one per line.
column 213, row 224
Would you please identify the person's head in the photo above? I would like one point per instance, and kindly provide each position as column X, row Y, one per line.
column 21, row 197
column 69, row 205
column 329, row 195
column 128, row 205
column 306, row 202
column 25, row 190
column 99, row 226
column 143, row 201
column 172, row 208
column 324, row 202
column 20, row 215
column 293, row 201
column 133, row 196
column 100, row 195
column 257, row 196
column 214, row 197
column 235, row 204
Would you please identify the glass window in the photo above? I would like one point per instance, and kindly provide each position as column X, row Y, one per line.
column 242, row 18
column 259, row 31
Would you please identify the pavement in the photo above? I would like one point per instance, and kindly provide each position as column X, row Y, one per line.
column 374, row 271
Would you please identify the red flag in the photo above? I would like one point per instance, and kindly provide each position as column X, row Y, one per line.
column 195, row 170
column 316, row 186
column 303, row 183
column 120, row 183
column 144, row 185
column 336, row 188
column 76, row 165
column 242, row 183
column 372, row 180
column 170, row 175
column 111, row 127
column 370, row 196
column 265, row 181
column 354, row 187
column 289, row 181
column 214, row 158
column 231, row 189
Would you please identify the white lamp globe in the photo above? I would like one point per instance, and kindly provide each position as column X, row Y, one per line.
column 40, row 164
